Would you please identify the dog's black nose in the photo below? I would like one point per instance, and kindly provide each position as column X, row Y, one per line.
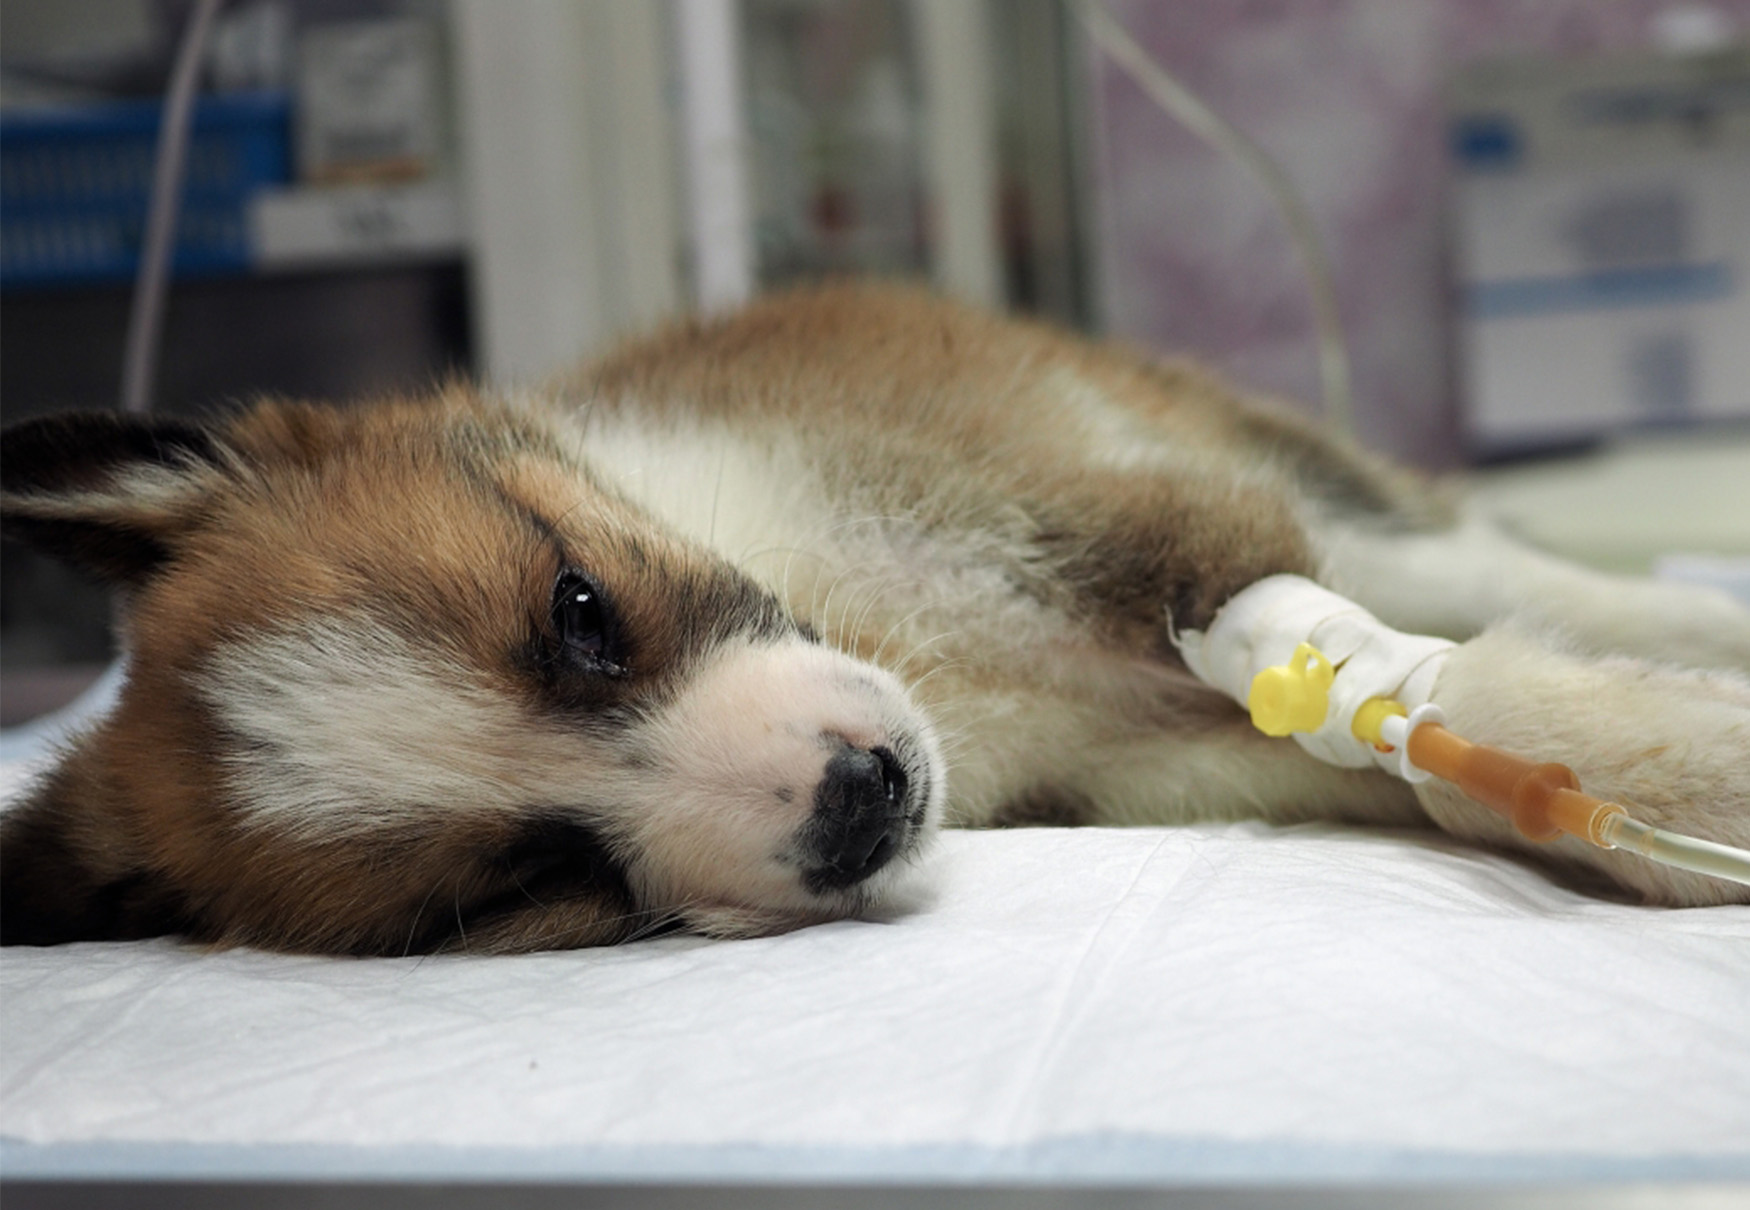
column 859, row 816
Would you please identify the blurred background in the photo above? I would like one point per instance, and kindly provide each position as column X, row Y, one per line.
column 1538, row 212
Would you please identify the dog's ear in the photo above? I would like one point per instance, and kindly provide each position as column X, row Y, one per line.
column 108, row 493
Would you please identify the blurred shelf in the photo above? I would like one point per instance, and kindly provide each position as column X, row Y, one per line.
column 354, row 226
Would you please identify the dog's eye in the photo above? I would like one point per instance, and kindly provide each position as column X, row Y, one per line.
column 578, row 617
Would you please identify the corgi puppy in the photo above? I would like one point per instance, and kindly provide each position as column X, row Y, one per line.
column 715, row 633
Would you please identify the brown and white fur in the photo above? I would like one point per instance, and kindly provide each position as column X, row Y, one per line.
column 716, row 632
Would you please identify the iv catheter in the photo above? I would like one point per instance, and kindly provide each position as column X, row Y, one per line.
column 1309, row 664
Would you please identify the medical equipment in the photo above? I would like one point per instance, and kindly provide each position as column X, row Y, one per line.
column 1167, row 91
column 151, row 287
column 1308, row 663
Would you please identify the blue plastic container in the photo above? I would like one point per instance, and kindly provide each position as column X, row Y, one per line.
column 74, row 184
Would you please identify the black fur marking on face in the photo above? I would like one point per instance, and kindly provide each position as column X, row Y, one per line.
column 730, row 606
column 127, row 909
column 554, row 862
column 560, row 855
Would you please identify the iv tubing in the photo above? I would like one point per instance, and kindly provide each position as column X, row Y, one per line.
column 1542, row 800
column 1218, row 132
column 1545, row 800
column 1684, row 852
column 146, row 313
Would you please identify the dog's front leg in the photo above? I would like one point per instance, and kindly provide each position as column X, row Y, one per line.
column 1459, row 581
column 1672, row 745
column 1669, row 744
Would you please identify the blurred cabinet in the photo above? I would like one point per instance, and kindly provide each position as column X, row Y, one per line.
column 280, row 288
column 605, row 165
column 626, row 162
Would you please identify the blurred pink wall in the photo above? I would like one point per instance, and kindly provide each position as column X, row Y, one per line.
column 1346, row 94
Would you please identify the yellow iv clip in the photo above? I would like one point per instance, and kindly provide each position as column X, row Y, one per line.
column 1293, row 696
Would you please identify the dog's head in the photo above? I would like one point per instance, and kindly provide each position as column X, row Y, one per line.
column 410, row 677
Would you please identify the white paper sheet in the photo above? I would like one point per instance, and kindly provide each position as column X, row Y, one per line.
column 1309, row 987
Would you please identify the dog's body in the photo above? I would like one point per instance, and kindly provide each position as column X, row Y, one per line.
column 716, row 632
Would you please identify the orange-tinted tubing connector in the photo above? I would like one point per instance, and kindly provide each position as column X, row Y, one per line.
column 1542, row 800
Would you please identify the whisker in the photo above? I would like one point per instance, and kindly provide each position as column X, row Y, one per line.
column 461, row 929
column 881, row 590
column 511, row 870
column 826, row 605
column 716, row 498
column 955, row 663
column 894, row 630
column 413, row 929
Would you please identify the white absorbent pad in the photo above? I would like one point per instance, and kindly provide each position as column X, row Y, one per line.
column 1169, row 1004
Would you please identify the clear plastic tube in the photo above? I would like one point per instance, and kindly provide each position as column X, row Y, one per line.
column 1684, row 852
column 1170, row 94
column 146, row 314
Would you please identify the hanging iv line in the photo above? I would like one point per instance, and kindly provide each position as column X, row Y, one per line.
column 1191, row 112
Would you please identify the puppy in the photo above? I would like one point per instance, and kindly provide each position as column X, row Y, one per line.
column 715, row 633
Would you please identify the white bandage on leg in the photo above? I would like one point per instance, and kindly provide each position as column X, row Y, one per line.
column 1261, row 626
